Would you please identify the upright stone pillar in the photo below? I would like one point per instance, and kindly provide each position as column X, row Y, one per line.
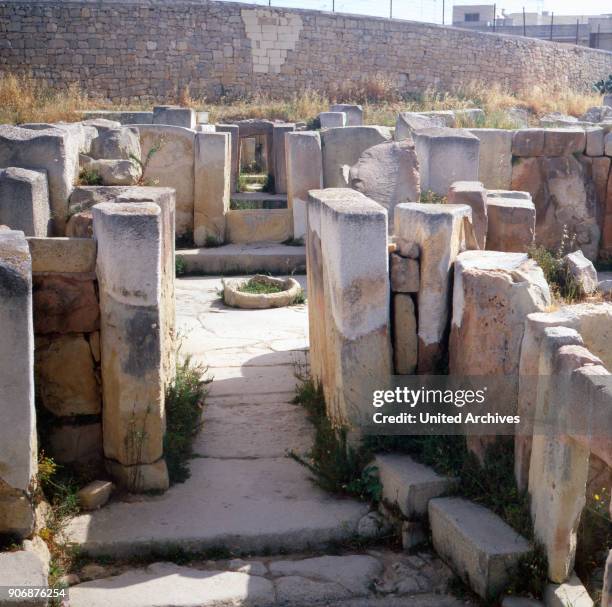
column 212, row 187
column 279, row 144
column 18, row 448
column 304, row 172
column 129, row 268
column 350, row 237
column 233, row 129
column 439, row 232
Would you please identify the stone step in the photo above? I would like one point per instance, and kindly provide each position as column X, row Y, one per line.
column 408, row 484
column 476, row 543
column 374, row 579
column 266, row 258
column 245, row 505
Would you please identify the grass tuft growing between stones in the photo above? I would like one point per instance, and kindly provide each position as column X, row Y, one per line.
column 184, row 403
column 89, row 177
column 336, row 466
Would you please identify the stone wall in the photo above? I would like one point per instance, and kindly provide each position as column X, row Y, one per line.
column 148, row 50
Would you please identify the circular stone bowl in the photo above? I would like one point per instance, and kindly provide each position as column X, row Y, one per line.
column 252, row 301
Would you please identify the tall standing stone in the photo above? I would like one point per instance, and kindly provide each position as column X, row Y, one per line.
column 279, row 144
column 304, row 173
column 354, row 113
column 18, row 448
column 212, row 171
column 495, row 158
column 129, row 268
column 348, row 282
column 474, row 195
column 440, row 232
column 232, row 129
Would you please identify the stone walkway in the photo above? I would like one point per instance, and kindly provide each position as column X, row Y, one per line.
column 244, row 495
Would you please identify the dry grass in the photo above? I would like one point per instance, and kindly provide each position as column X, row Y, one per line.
column 22, row 100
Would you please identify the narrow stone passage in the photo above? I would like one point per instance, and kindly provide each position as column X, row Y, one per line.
column 245, row 496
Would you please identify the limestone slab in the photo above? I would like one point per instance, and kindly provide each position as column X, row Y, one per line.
column 304, row 173
column 116, row 144
column 405, row 343
column 279, row 138
column 246, row 505
column 354, row 113
column 495, row 158
column 342, row 148
column 445, row 156
column 478, row 545
column 63, row 255
column 212, row 170
column 405, row 274
column 440, row 232
column 512, row 224
column 388, row 173
column 166, row 585
column 329, row 120
column 175, row 116
column 24, row 201
column 473, row 194
column 53, row 150
column 408, row 484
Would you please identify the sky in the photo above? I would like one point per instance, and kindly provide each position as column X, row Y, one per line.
column 431, row 10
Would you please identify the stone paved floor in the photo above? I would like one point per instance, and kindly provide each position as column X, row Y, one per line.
column 244, row 494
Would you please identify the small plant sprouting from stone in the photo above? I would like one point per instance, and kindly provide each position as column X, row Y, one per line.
column 89, row 177
column 336, row 466
column 603, row 86
column 560, row 280
column 430, row 197
column 134, row 445
column 300, row 298
column 143, row 164
column 185, row 398
column 212, row 241
column 180, row 266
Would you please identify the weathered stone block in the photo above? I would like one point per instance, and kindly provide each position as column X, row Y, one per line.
column 174, row 116
column 16, row 514
column 342, row 148
column 304, row 173
column 388, row 173
column 114, row 172
column 172, row 166
column 405, row 274
column 75, row 443
column 495, row 158
column 232, row 129
column 212, row 171
column 528, row 143
column 24, row 201
column 279, row 138
column 259, row 225
column 493, row 293
column 65, row 255
column 132, row 339
column 564, row 142
column 583, row 271
column 512, row 224
column 405, row 342
column 354, row 113
column 53, row 150
column 66, row 376
column 349, row 323
column 115, row 144
column 474, row 195
column 17, row 432
column 83, row 133
column 564, row 204
column 80, row 225
column 480, row 547
column 440, row 231
column 408, row 484
column 446, row 155
column 65, row 303
column 595, row 141
column 95, row 494
column 23, row 568
column 329, row 120
column 569, row 594
column 409, row 122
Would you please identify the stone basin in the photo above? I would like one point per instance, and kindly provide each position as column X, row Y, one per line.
column 232, row 296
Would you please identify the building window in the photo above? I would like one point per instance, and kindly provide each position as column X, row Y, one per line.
column 472, row 16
